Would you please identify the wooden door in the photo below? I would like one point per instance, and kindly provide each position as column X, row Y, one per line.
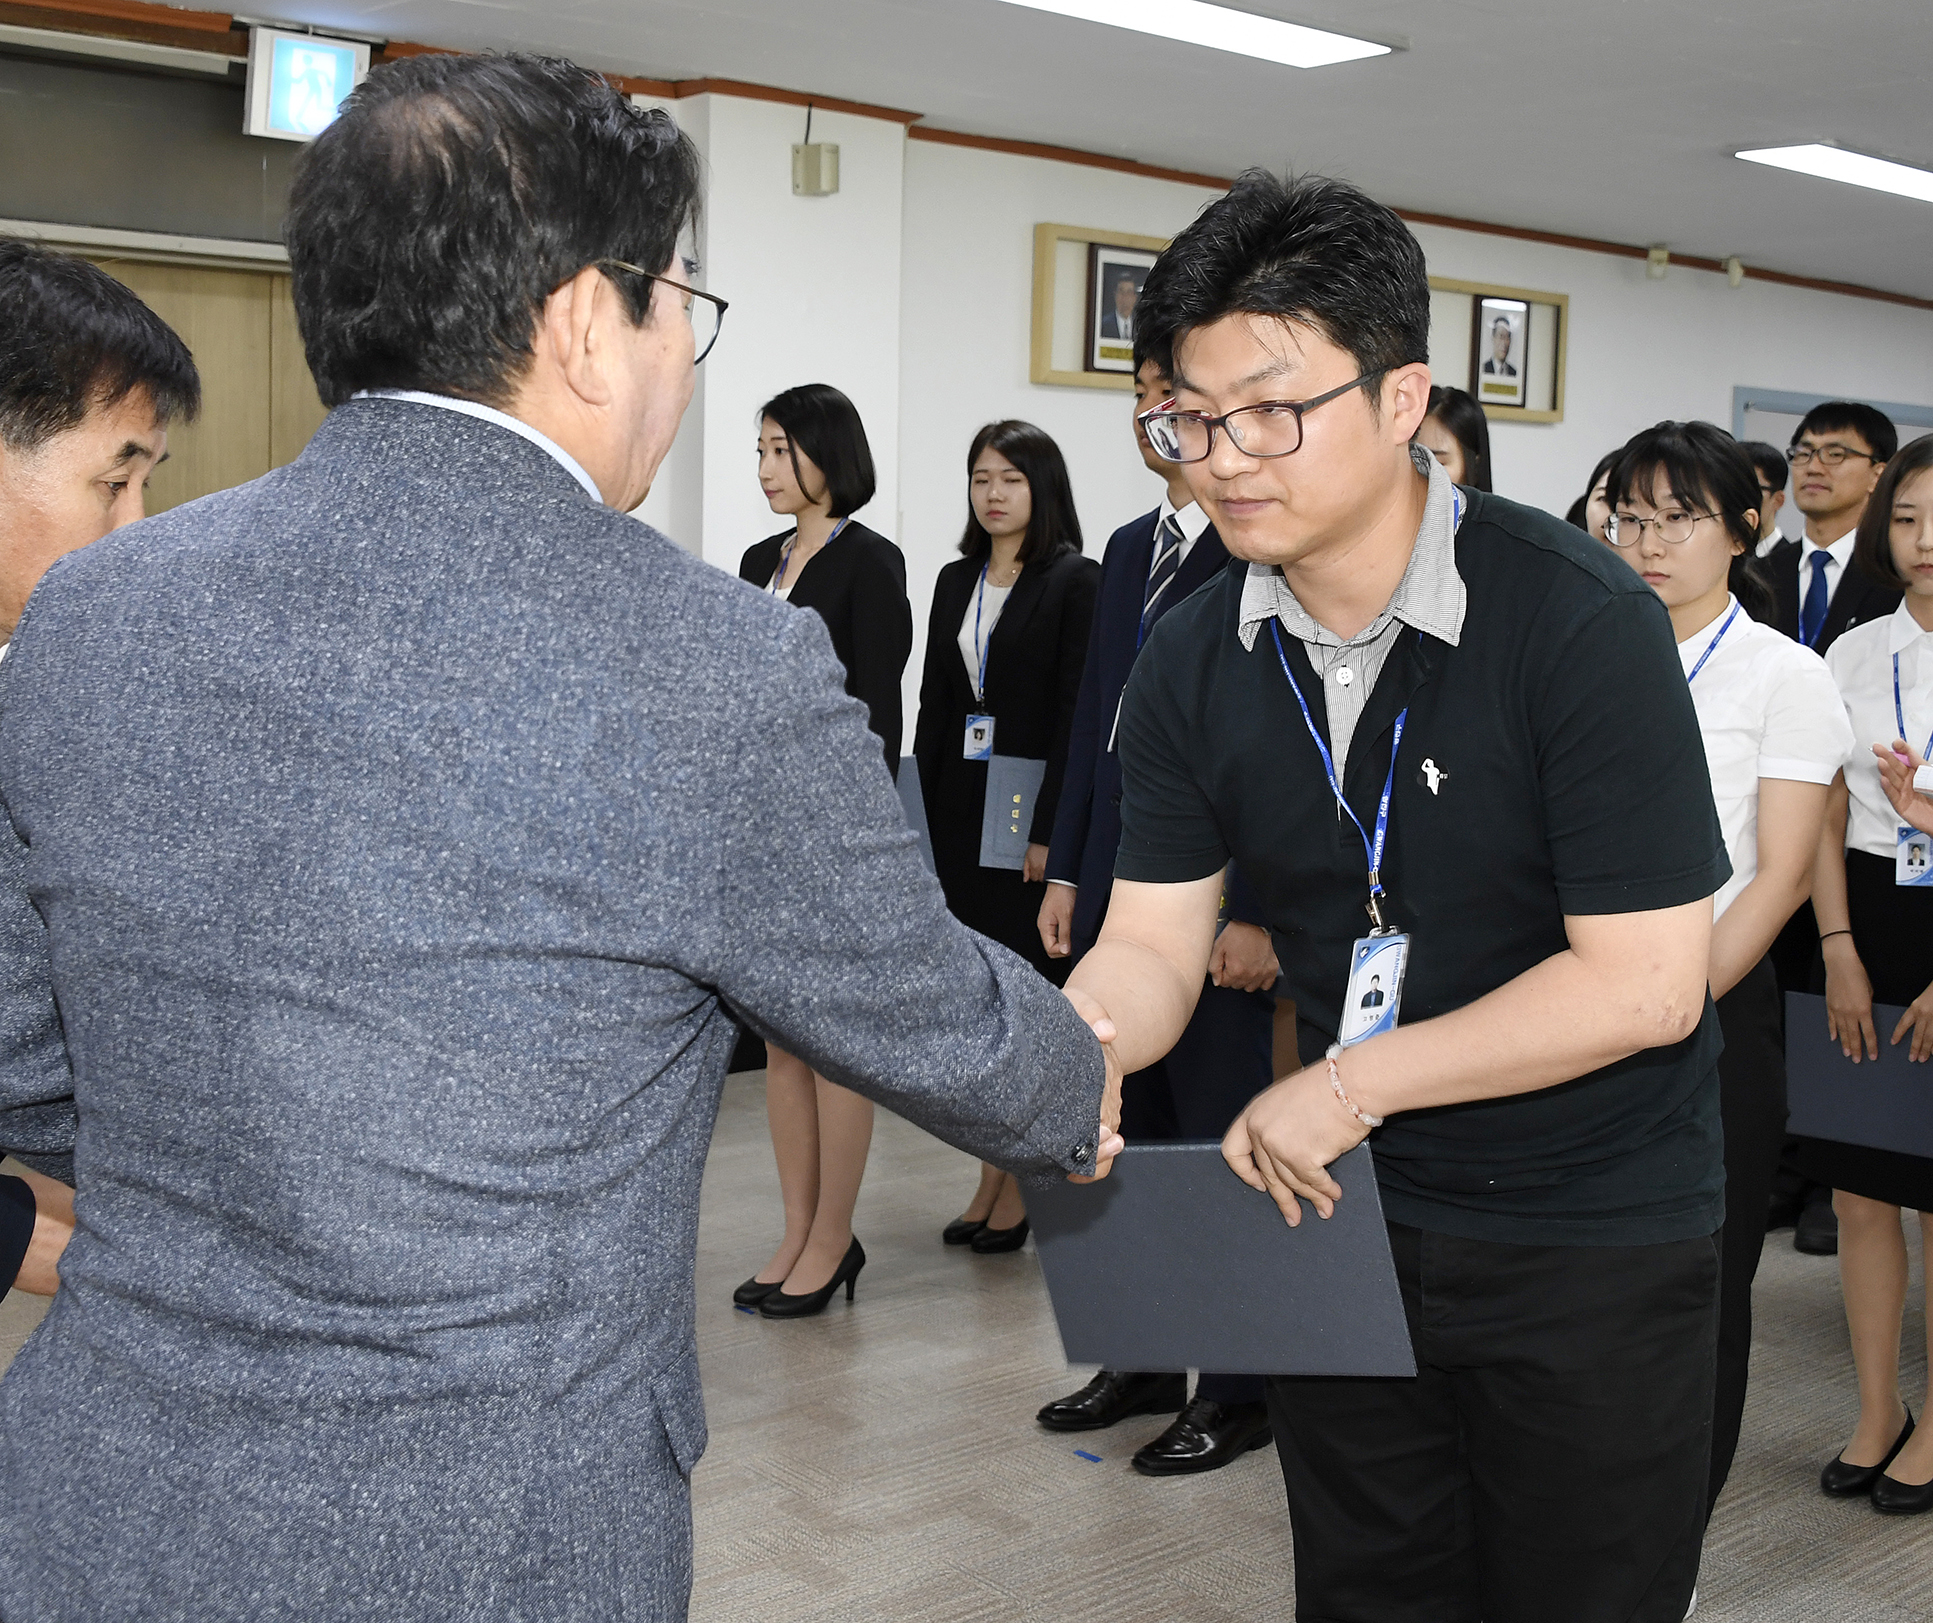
column 258, row 402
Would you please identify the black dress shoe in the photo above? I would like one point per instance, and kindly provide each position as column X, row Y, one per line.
column 989, row 1241
column 1817, row 1231
column 780, row 1306
column 1843, row 1481
column 1782, row 1212
column 1895, row 1498
column 962, row 1230
column 1206, row 1436
column 754, row 1291
column 1113, row 1395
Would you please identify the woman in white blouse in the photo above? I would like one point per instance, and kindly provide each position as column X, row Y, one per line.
column 1684, row 513
column 1875, row 913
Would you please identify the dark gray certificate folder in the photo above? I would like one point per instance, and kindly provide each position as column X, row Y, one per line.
column 1013, row 786
column 1884, row 1104
column 1172, row 1262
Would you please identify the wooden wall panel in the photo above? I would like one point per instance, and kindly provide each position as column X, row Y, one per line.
column 295, row 410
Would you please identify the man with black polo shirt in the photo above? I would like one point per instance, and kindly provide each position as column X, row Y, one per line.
column 1431, row 711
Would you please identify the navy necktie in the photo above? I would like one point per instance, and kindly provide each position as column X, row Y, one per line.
column 1812, row 613
column 1161, row 573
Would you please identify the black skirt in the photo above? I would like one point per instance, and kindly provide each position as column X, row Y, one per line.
column 1892, row 926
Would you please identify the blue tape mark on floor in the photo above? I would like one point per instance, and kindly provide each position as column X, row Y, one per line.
column 1083, row 1454
column 744, row 1309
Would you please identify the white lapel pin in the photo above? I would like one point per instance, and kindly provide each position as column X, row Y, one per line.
column 1434, row 777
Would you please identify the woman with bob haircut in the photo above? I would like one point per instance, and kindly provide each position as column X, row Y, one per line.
column 1456, row 432
column 1684, row 501
column 1876, row 934
column 815, row 466
column 1007, row 640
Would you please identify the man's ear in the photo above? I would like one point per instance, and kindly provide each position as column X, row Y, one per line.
column 1406, row 399
column 574, row 317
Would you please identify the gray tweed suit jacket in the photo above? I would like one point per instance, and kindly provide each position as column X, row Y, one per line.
column 391, row 845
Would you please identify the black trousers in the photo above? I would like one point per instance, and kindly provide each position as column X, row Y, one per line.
column 1221, row 1061
column 1751, row 1081
column 1548, row 1460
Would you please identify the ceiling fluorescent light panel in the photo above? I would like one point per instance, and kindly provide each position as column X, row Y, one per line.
column 1854, row 168
column 1194, row 22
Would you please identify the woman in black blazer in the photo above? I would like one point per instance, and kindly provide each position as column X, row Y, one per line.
column 815, row 465
column 1007, row 639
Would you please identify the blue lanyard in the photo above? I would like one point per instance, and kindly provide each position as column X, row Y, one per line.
column 1373, row 848
column 979, row 597
column 785, row 558
column 1712, row 646
column 1899, row 714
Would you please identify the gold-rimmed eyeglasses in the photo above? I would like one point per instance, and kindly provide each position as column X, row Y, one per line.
column 705, row 311
column 1673, row 527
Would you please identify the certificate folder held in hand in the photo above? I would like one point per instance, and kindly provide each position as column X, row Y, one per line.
column 1883, row 1104
column 1172, row 1262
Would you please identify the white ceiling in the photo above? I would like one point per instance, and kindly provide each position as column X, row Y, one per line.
column 1598, row 118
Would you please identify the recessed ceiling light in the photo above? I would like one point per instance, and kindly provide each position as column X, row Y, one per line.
column 1854, row 168
column 1194, row 22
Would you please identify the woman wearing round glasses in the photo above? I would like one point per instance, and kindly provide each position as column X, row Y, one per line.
column 1875, row 908
column 1684, row 514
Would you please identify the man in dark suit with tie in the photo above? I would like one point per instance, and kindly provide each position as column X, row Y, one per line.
column 1222, row 1059
column 1837, row 456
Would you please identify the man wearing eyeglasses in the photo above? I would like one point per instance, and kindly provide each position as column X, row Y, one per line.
column 1837, row 455
column 1429, row 711
column 1840, row 450
column 391, row 871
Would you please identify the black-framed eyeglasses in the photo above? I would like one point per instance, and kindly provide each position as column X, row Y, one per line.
column 705, row 311
column 1830, row 455
column 1273, row 428
column 1673, row 527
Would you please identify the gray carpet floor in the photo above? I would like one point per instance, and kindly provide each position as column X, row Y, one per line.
column 881, row 1462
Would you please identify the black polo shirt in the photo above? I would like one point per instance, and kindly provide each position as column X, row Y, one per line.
column 1570, row 778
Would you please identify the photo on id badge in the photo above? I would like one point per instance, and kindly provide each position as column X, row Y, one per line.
column 1912, row 858
column 979, row 738
column 1375, row 992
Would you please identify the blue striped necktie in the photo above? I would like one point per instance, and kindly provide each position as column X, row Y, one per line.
column 1161, row 573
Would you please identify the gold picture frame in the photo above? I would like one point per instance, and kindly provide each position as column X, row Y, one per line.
column 1061, row 330
column 1457, row 352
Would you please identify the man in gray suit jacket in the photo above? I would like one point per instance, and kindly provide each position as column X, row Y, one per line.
column 387, row 859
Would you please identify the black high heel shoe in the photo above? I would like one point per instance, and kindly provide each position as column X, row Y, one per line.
column 754, row 1291
column 962, row 1230
column 1844, row 1481
column 989, row 1242
column 781, row 1306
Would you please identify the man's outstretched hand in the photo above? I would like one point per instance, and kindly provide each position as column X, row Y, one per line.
column 1110, row 1143
column 1283, row 1143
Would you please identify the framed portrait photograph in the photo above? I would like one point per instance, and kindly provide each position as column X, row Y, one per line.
column 1114, row 278
column 1500, row 351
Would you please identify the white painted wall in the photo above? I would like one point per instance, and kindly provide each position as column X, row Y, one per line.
column 814, row 285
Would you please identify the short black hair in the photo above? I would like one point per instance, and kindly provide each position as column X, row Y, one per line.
column 73, row 339
column 824, row 424
column 452, row 195
column 1307, row 249
column 1868, row 422
column 1463, row 417
column 1709, row 471
column 1055, row 527
column 1872, row 548
column 1768, row 461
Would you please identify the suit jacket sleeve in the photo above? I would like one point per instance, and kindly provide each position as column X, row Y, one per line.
column 1070, row 661
column 882, row 640
column 845, row 955
column 18, row 1209
column 930, row 724
column 37, row 1121
column 1074, row 771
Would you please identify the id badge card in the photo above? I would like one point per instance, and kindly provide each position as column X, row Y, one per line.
column 1375, row 992
column 979, row 738
column 1912, row 857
